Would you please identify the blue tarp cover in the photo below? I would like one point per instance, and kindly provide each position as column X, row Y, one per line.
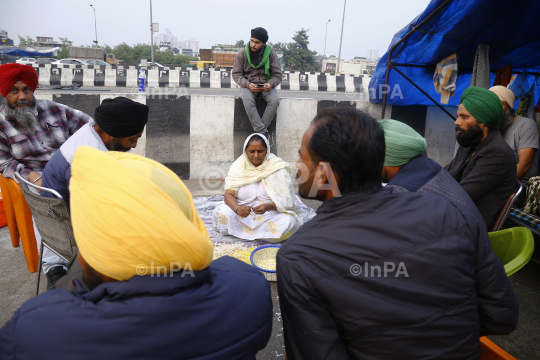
column 510, row 27
column 15, row 51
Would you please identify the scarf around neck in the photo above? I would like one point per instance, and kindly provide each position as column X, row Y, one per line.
column 274, row 173
column 265, row 60
column 243, row 172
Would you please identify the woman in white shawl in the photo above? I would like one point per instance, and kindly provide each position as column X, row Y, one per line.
column 260, row 202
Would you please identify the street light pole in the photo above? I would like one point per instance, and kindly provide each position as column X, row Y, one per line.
column 326, row 33
column 341, row 38
column 95, row 22
column 151, row 34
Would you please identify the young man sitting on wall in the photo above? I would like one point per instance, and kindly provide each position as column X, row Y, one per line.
column 256, row 69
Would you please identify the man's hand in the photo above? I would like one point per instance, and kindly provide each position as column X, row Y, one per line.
column 243, row 211
column 267, row 87
column 33, row 176
column 261, row 209
column 254, row 88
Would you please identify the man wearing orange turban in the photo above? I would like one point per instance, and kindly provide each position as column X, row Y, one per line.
column 30, row 133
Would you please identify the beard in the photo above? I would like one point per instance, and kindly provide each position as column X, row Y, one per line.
column 91, row 278
column 25, row 116
column 507, row 120
column 116, row 145
column 254, row 56
column 305, row 187
column 470, row 138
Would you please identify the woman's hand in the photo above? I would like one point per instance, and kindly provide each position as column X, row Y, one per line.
column 261, row 209
column 243, row 211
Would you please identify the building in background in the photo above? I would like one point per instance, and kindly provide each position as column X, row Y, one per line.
column 167, row 37
column 4, row 39
column 373, row 55
column 224, row 55
column 188, row 52
column 192, row 44
column 47, row 41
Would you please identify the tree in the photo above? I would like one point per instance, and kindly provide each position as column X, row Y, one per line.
column 25, row 42
column 279, row 46
column 240, row 43
column 65, row 44
column 132, row 55
column 297, row 55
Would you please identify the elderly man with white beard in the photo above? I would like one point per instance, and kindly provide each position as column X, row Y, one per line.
column 30, row 133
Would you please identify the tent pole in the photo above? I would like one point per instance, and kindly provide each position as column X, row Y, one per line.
column 389, row 62
column 423, row 92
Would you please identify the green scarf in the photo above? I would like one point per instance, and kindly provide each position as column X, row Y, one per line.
column 265, row 60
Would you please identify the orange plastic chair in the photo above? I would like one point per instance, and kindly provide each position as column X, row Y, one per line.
column 493, row 352
column 9, row 211
column 490, row 351
column 20, row 221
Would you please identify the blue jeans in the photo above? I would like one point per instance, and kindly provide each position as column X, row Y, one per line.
column 272, row 103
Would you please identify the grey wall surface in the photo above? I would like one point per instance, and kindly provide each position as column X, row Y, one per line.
column 200, row 136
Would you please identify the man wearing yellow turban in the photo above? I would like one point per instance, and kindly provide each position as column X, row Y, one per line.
column 484, row 164
column 405, row 169
column 154, row 292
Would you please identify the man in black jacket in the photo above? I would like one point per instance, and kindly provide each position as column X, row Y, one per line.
column 383, row 275
column 484, row 164
column 406, row 169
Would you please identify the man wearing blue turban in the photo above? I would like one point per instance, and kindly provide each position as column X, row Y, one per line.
column 484, row 164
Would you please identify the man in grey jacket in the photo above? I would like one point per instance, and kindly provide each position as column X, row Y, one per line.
column 256, row 69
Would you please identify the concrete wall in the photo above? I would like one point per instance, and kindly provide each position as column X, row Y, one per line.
column 200, row 136
column 91, row 75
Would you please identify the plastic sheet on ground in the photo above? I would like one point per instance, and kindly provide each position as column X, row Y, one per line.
column 230, row 245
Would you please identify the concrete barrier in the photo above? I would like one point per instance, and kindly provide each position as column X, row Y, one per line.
column 120, row 76
column 200, row 136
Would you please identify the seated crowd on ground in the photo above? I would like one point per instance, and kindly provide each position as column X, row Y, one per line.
column 143, row 283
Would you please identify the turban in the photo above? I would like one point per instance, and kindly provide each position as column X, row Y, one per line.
column 260, row 34
column 11, row 73
column 133, row 216
column 402, row 142
column 121, row 117
column 483, row 105
column 505, row 94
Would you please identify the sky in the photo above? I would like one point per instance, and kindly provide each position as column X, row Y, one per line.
column 368, row 24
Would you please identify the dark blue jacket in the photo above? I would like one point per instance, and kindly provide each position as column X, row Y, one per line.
column 222, row 312
column 444, row 287
column 424, row 176
column 57, row 173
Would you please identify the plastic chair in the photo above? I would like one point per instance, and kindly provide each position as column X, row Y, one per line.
column 514, row 247
column 490, row 351
column 20, row 221
column 9, row 211
column 52, row 220
column 506, row 208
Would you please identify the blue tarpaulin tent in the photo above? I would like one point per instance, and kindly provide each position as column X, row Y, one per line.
column 511, row 28
column 15, row 51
